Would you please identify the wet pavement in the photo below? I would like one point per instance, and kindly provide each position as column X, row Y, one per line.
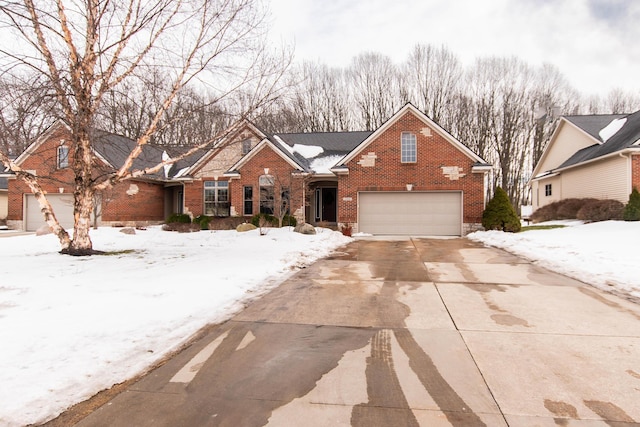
column 417, row 332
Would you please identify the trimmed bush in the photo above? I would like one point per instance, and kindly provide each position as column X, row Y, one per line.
column 289, row 221
column 562, row 209
column 264, row 220
column 601, row 210
column 500, row 214
column 181, row 227
column 569, row 208
column 203, row 221
column 272, row 221
column 632, row 208
column 179, row 218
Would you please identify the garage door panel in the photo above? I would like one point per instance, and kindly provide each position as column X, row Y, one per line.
column 62, row 205
column 410, row 213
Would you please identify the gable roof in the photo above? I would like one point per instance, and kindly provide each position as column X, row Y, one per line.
column 201, row 159
column 593, row 123
column 627, row 137
column 276, row 146
column 113, row 149
column 410, row 108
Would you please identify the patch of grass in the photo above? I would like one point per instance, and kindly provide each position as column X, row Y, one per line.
column 122, row 252
column 542, row 227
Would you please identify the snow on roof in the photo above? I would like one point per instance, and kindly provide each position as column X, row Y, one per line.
column 308, row 151
column 167, row 168
column 612, row 128
column 181, row 172
column 283, row 144
column 323, row 165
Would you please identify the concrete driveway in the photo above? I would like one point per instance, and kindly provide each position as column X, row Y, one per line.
column 418, row 332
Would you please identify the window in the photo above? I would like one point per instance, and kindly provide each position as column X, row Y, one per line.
column 267, row 194
column 248, row 200
column 246, row 146
column 63, row 157
column 547, row 190
column 408, row 150
column 216, row 198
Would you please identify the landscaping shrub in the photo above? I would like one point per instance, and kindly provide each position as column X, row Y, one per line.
column 181, row 227
column 272, row 221
column 500, row 214
column 203, row 221
column 179, row 218
column 545, row 213
column 601, row 210
column 632, row 208
column 264, row 220
column 562, row 209
column 568, row 208
column 289, row 221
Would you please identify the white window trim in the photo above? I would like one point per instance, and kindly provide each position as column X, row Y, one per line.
column 405, row 151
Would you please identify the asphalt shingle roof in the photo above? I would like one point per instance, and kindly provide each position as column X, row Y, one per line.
column 592, row 124
column 116, row 148
column 626, row 137
column 332, row 143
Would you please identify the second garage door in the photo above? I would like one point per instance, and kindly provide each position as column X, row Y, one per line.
column 62, row 205
column 410, row 213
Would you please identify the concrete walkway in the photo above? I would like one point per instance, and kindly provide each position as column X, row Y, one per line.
column 419, row 332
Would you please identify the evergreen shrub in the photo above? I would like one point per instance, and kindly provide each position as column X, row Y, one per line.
column 632, row 208
column 500, row 214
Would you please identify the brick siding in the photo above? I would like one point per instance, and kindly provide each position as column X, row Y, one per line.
column 146, row 204
column 635, row 171
column 433, row 153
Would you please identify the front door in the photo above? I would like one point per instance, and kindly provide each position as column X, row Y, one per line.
column 326, row 204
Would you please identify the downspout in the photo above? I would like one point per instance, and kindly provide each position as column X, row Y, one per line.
column 629, row 182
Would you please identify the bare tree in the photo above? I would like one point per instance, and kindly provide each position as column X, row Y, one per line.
column 619, row 102
column 431, row 77
column 91, row 49
column 25, row 111
column 552, row 96
column 375, row 84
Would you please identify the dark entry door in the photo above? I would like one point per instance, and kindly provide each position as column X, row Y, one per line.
column 329, row 204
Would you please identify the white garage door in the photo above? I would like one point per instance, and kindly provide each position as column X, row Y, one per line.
column 62, row 207
column 410, row 213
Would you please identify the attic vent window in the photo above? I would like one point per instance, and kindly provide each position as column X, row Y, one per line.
column 63, row 157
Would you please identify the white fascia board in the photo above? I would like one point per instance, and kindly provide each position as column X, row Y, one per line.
column 481, row 169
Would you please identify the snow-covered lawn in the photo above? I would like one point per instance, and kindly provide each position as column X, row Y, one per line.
column 603, row 254
column 70, row 327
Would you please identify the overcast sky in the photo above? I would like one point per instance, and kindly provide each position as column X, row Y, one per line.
column 594, row 43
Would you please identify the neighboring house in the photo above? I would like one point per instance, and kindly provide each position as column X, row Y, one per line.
column 408, row 177
column 4, row 198
column 595, row 156
column 133, row 201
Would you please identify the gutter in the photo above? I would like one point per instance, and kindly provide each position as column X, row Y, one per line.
column 621, row 153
